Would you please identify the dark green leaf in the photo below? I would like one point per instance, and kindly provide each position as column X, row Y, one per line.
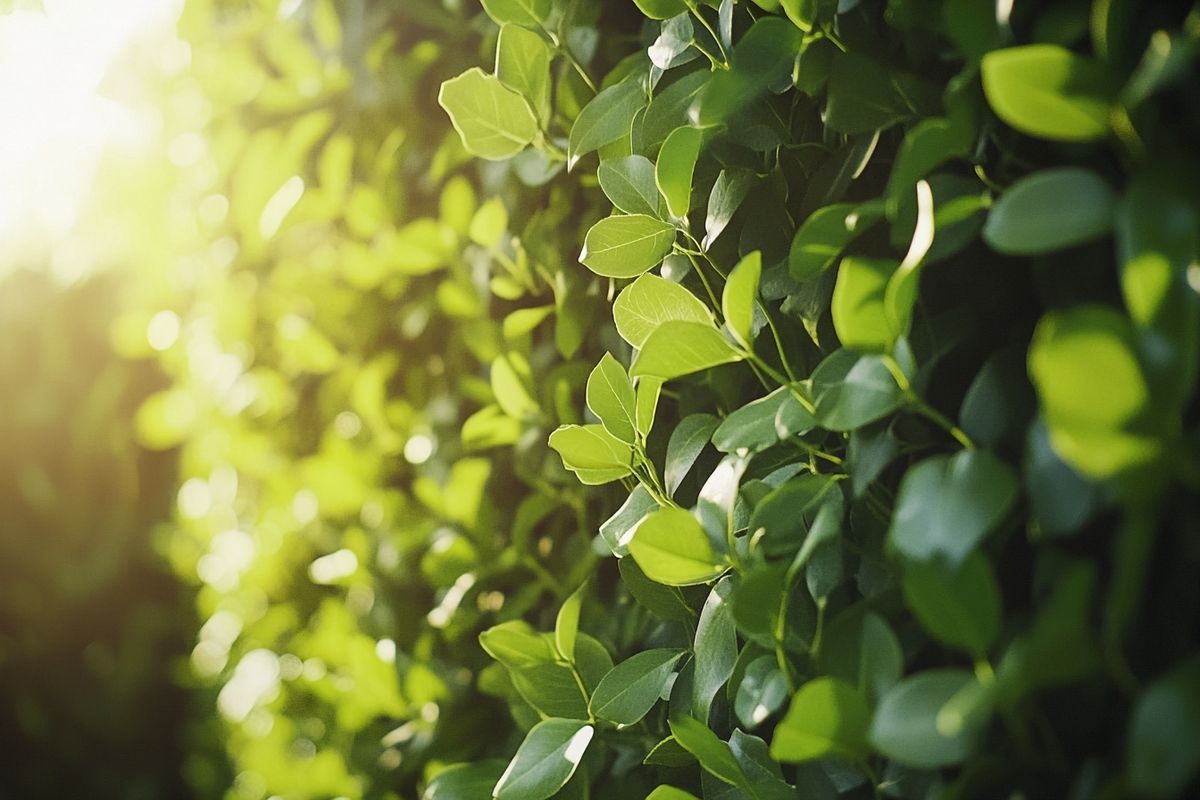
column 545, row 761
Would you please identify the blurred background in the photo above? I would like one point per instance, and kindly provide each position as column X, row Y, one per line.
column 230, row 251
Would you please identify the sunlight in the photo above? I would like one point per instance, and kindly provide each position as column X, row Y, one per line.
column 56, row 121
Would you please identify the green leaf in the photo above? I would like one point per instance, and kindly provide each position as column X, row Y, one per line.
column 913, row 727
column 511, row 381
column 516, row 645
column 947, row 504
column 861, row 649
column 661, row 9
column 625, row 246
column 959, row 607
column 686, row 444
column 629, row 184
column 493, row 120
column 825, row 234
column 1093, row 392
column 649, row 302
column 673, row 172
column 472, row 781
column 648, row 390
column 617, row 529
column 858, row 303
column 680, row 348
column 850, row 393
column 715, row 648
column 754, row 427
column 669, row 792
column 669, row 109
column 764, row 55
column 610, row 396
column 671, row 548
column 728, row 192
column 900, row 294
column 827, row 718
column 606, row 118
column 592, row 453
column 523, row 65
column 566, row 624
column 930, row 143
column 761, row 693
column 1162, row 755
column 863, row 96
column 521, row 12
column 1047, row 91
column 1050, row 210
column 630, row 690
column 669, row 602
column 740, row 296
column 712, row 753
column 786, row 514
column 545, row 761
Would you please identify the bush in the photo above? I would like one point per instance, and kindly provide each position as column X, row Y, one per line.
column 896, row 418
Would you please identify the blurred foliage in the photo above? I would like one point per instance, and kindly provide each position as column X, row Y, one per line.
column 862, row 334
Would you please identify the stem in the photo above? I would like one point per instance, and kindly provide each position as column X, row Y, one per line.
column 703, row 279
column 923, row 408
column 708, row 27
column 571, row 59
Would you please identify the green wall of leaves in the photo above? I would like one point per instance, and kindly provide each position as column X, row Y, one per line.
column 720, row 399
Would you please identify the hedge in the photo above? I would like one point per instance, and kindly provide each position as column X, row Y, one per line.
column 773, row 399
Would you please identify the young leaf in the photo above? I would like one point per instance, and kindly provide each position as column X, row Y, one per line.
column 827, row 718
column 493, row 120
column 671, row 548
column 592, row 453
column 1050, row 210
column 630, row 690
column 1047, row 91
column 740, row 296
column 648, row 390
column 858, row 303
column 650, row 301
column 625, row 246
column 545, row 761
column 610, row 396
column 825, row 234
column 520, row 12
column 912, row 727
column 566, row 624
column 680, row 348
column 960, row 607
column 629, row 184
column 607, row 117
column 673, row 172
column 947, row 504
column 523, row 65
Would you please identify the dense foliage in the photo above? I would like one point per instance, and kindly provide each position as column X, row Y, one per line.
column 720, row 399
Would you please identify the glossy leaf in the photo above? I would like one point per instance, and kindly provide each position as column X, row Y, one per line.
column 1047, row 91
column 607, row 117
column 629, row 184
column 740, row 297
column 671, row 548
column 650, row 301
column 545, row 761
column 627, row 245
column 630, row 690
column 827, row 718
column 673, row 172
column 680, row 348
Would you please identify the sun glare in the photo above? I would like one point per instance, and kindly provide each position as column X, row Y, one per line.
column 54, row 121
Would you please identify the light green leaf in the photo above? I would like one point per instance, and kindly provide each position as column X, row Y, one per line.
column 648, row 389
column 1050, row 210
column 511, row 381
column 592, row 453
column 521, row 12
column 858, row 303
column 960, row 607
column 825, row 234
column 629, row 184
column 566, row 624
column 947, row 504
column 630, row 690
column 625, row 246
column 545, row 761
column 1047, row 91
column 669, row 792
column 740, row 296
column 649, row 302
column 516, row 645
column 913, row 727
column 606, row 118
column 728, row 192
column 1093, row 392
column 680, row 348
column 493, row 120
column 610, row 396
column 673, row 172
column 671, row 548
column 827, row 718
column 523, row 65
